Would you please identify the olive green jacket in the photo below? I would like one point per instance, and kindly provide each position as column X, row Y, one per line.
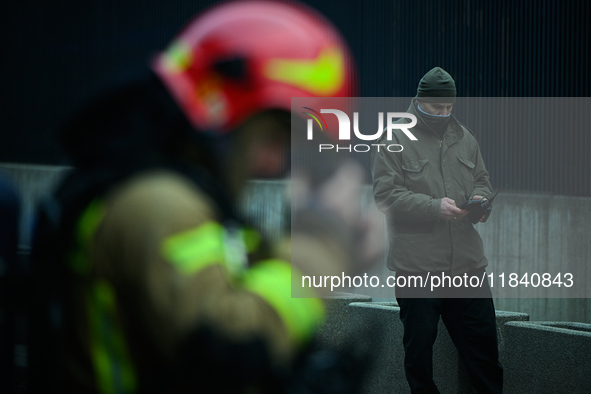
column 409, row 186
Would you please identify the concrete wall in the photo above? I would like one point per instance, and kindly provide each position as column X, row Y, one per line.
column 547, row 233
column 34, row 182
column 387, row 374
column 336, row 331
column 537, row 357
column 552, row 231
column 547, row 357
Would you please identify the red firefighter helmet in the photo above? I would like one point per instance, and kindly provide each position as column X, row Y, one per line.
column 240, row 58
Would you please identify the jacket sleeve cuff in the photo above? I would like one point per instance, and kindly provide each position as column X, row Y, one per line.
column 434, row 209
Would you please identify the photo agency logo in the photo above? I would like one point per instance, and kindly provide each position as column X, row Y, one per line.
column 344, row 130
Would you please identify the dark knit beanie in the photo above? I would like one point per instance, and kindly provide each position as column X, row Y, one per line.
column 437, row 86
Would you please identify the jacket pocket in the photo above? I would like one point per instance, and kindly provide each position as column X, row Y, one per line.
column 413, row 252
column 414, row 174
column 466, row 176
column 466, row 162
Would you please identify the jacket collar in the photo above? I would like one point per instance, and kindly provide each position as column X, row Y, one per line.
column 453, row 132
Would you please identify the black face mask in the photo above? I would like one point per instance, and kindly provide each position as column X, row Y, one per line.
column 437, row 123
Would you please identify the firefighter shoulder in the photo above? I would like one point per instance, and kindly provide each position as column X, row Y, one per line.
column 159, row 246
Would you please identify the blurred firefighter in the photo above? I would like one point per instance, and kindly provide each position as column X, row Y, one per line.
column 166, row 288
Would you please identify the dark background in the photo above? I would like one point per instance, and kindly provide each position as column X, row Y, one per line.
column 55, row 54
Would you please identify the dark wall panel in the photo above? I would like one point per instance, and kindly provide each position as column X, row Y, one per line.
column 55, row 54
column 508, row 48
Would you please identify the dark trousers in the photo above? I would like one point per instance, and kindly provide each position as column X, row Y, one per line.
column 471, row 324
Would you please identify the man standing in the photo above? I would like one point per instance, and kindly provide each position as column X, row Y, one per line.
column 420, row 190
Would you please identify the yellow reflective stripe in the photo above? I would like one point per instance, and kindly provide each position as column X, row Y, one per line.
column 114, row 371
column 193, row 250
column 323, row 76
column 178, row 57
column 89, row 221
column 251, row 238
column 210, row 243
column 271, row 280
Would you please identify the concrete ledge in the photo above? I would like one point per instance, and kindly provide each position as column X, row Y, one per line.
column 543, row 227
column 547, row 357
column 502, row 319
column 335, row 331
column 385, row 340
column 33, row 182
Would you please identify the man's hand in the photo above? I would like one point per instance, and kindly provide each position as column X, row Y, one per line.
column 477, row 197
column 449, row 210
